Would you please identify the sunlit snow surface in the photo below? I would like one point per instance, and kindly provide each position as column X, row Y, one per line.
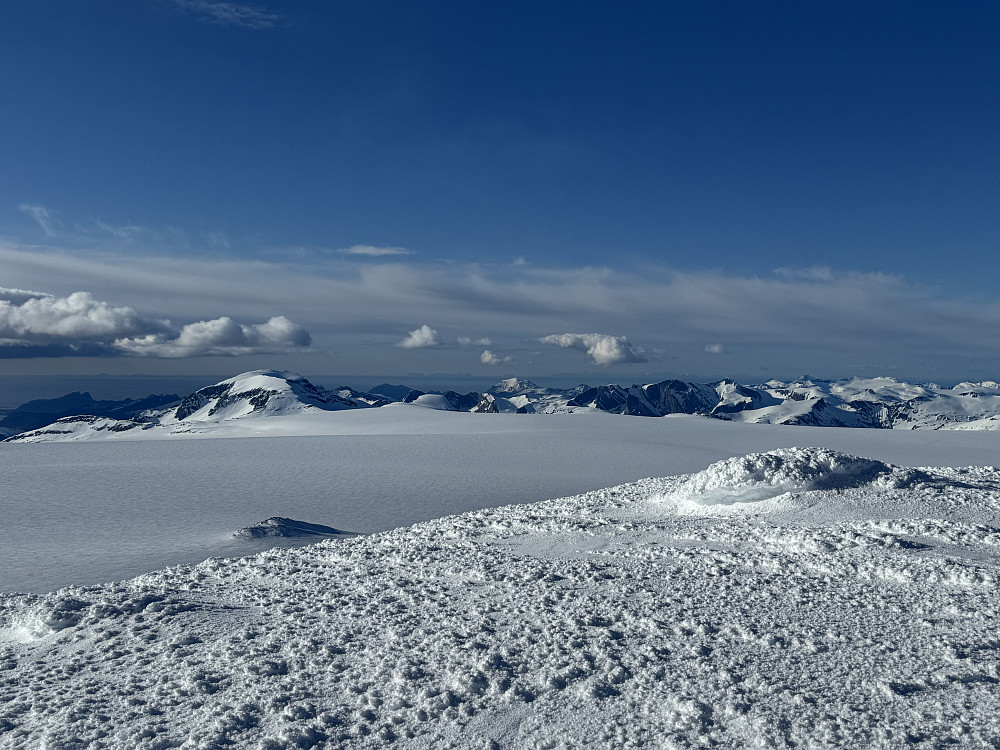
column 88, row 512
column 829, row 601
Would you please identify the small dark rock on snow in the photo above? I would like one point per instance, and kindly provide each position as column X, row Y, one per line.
column 276, row 526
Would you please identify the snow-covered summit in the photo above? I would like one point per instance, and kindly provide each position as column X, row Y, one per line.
column 260, row 392
column 513, row 386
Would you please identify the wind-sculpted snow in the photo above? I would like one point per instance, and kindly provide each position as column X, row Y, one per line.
column 759, row 476
column 866, row 617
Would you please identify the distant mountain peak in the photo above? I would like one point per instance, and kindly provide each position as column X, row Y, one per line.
column 872, row 402
column 513, row 386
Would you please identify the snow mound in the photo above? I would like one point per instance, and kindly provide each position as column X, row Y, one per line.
column 761, row 476
column 277, row 526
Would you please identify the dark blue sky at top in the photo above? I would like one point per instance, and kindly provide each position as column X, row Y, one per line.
column 743, row 136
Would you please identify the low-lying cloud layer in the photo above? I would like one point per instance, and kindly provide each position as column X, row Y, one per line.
column 601, row 348
column 34, row 324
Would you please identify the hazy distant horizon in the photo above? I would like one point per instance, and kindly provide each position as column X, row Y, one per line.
column 17, row 390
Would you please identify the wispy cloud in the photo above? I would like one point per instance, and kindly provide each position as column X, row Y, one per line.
column 118, row 231
column 42, row 217
column 375, row 252
column 420, row 337
column 230, row 14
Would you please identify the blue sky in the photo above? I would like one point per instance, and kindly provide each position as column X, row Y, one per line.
column 713, row 189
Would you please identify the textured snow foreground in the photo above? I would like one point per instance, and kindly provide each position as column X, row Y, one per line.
column 798, row 598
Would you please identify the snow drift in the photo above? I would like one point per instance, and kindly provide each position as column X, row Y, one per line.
column 759, row 476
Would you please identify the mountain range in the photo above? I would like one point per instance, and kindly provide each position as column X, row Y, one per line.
column 879, row 403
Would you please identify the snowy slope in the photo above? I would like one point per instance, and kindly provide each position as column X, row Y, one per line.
column 803, row 598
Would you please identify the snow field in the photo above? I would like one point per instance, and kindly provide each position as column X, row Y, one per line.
column 88, row 512
column 858, row 612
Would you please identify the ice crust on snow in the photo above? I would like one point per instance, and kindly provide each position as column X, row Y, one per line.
column 590, row 621
column 760, row 476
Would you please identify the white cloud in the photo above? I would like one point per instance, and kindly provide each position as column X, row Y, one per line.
column 374, row 251
column 42, row 216
column 19, row 296
column 827, row 324
column 34, row 317
column 714, row 349
column 39, row 324
column 601, row 348
column 490, row 358
column 419, row 338
column 469, row 341
column 230, row 14
column 220, row 337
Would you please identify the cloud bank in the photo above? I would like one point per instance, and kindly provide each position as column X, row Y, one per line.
column 601, row 348
column 774, row 324
column 36, row 317
column 36, row 324
column 220, row 337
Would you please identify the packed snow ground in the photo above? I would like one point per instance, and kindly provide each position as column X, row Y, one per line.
column 88, row 512
column 803, row 598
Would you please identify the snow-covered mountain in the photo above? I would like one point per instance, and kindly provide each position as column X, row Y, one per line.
column 255, row 394
column 876, row 402
column 880, row 403
column 41, row 412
